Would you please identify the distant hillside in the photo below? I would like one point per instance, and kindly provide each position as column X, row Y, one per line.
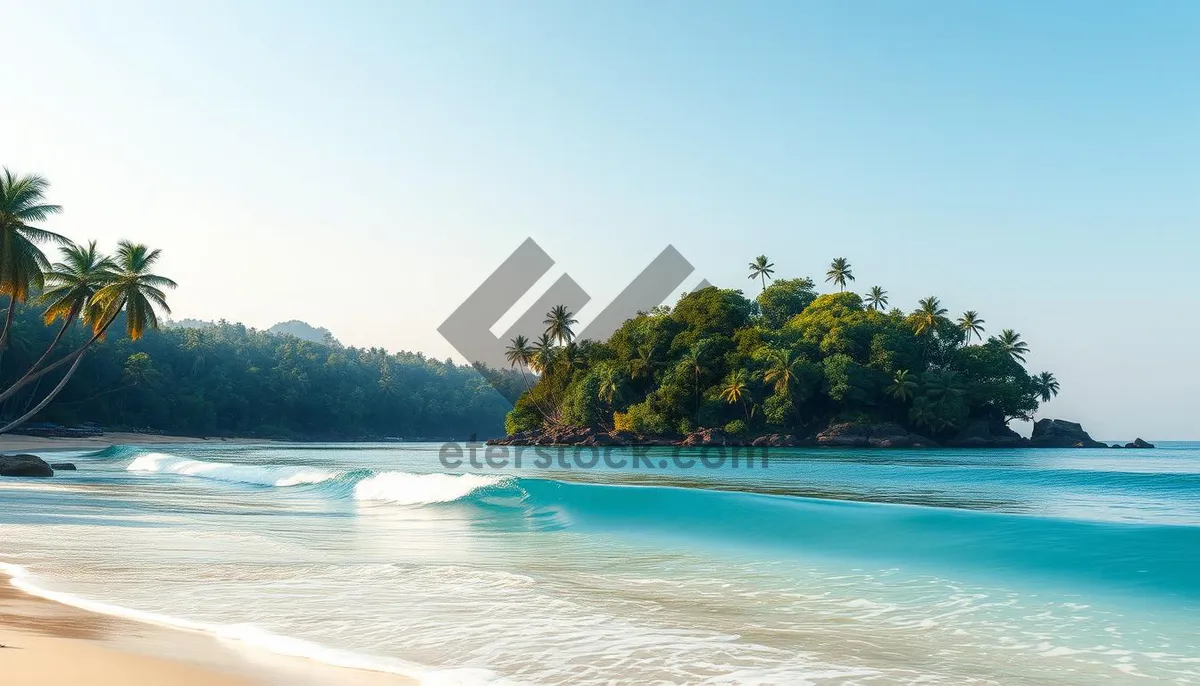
column 226, row 379
column 304, row 331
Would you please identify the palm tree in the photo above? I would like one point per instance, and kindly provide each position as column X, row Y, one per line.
column 1013, row 345
column 129, row 287
column 22, row 263
column 903, row 386
column 942, row 383
column 761, row 269
column 839, row 273
column 927, row 316
column 1045, row 386
column 782, row 365
column 691, row 360
column 611, row 384
column 877, row 299
column 642, row 365
column 70, row 287
column 737, row 389
column 971, row 323
column 544, row 354
column 559, row 321
column 519, row 352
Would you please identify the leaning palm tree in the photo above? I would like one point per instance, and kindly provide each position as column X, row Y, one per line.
column 839, row 272
column 129, row 287
column 1045, row 386
column 971, row 323
column 928, row 314
column 761, row 269
column 1013, row 345
column 737, row 389
column 519, row 352
column 22, row 263
column 70, row 287
column 877, row 299
column 559, row 321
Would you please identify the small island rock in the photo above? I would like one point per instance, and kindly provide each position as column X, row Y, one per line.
column 1139, row 443
column 1059, row 433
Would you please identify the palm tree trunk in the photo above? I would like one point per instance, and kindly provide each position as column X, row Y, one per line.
column 8, row 319
column 33, row 375
column 45, row 401
column 53, row 344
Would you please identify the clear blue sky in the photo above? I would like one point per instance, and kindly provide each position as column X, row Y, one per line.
column 363, row 167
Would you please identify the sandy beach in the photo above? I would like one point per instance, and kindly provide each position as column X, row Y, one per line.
column 10, row 443
column 48, row 644
column 45, row 643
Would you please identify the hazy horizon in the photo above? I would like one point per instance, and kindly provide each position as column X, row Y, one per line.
column 364, row 168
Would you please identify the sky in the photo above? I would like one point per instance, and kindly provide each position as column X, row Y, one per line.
column 364, row 166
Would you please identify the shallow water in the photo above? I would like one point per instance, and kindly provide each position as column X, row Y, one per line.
column 846, row 567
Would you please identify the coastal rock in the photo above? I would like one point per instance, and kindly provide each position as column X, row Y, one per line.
column 777, row 441
column 62, row 466
column 1139, row 443
column 1059, row 433
column 709, row 437
column 24, row 465
column 569, row 436
column 984, row 433
column 884, row 435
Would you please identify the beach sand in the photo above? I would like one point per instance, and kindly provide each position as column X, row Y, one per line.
column 10, row 443
column 50, row 644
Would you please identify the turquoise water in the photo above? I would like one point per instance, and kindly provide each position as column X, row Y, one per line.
column 823, row 567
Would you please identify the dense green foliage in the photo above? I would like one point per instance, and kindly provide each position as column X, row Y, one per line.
column 231, row 380
column 789, row 361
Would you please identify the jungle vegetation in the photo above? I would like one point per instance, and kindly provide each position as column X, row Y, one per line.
column 790, row 360
column 61, row 362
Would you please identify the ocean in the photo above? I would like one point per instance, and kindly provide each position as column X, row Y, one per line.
column 819, row 567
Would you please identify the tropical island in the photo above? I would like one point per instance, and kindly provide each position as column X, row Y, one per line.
column 789, row 367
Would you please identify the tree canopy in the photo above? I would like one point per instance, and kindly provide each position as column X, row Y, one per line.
column 791, row 360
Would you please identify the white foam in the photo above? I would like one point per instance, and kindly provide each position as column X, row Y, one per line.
column 261, row 475
column 403, row 488
column 251, row 635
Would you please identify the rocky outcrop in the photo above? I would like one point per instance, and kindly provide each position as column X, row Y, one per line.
column 1139, row 443
column 885, row 435
column 24, row 465
column 984, row 433
column 580, row 436
column 1059, row 433
column 780, row 441
column 703, row 437
column 62, row 466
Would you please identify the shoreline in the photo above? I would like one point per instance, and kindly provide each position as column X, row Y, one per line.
column 11, row 443
column 47, row 643
column 44, row 642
